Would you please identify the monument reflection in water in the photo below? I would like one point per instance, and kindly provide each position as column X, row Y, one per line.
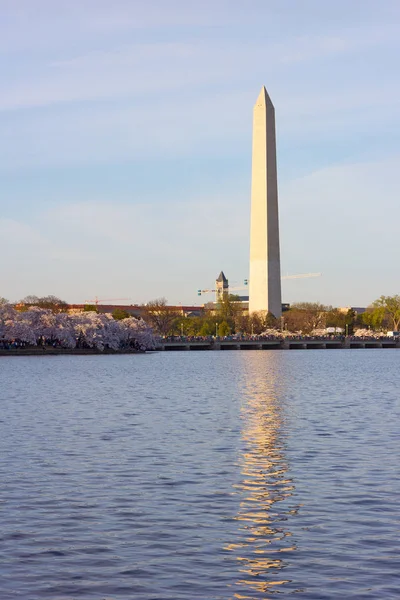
column 263, row 538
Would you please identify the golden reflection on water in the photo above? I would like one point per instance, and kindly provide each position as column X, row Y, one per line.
column 263, row 538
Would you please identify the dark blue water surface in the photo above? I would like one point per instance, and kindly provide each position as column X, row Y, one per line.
column 200, row 475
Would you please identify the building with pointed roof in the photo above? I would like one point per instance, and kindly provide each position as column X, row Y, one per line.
column 221, row 287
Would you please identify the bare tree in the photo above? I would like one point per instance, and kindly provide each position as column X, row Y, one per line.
column 306, row 316
column 50, row 302
column 159, row 315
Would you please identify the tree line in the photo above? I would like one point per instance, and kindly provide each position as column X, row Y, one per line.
column 227, row 317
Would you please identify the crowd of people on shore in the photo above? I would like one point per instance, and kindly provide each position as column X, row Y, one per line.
column 246, row 338
column 278, row 336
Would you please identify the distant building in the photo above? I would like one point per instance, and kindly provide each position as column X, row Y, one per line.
column 135, row 310
column 191, row 311
column 221, row 287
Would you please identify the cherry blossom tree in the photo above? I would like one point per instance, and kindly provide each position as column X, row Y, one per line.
column 87, row 329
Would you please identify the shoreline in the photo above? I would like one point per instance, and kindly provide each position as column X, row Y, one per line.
column 196, row 347
column 64, row 351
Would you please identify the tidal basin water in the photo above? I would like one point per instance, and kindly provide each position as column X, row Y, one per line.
column 200, row 475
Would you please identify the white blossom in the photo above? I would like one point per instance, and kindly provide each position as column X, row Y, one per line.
column 85, row 329
column 368, row 333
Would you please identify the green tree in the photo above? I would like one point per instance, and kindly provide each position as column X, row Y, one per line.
column 224, row 329
column 184, row 326
column 257, row 323
column 229, row 309
column 207, row 328
column 349, row 321
column 390, row 306
column 243, row 324
column 270, row 321
column 336, row 318
column 191, row 325
column 90, row 308
column 119, row 314
column 374, row 317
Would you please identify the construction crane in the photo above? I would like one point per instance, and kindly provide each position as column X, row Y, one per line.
column 97, row 300
column 246, row 282
column 231, row 289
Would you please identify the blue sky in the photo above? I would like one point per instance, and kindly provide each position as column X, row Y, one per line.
column 125, row 145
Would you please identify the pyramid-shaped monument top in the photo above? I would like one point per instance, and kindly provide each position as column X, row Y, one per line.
column 263, row 98
column 222, row 278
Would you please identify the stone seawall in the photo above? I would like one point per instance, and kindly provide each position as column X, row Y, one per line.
column 286, row 344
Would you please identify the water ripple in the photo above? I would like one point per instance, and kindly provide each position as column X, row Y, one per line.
column 200, row 476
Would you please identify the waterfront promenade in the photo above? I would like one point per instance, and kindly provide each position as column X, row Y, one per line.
column 270, row 343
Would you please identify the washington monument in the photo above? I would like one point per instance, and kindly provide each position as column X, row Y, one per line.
column 265, row 267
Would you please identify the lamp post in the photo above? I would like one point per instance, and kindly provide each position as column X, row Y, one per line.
column 182, row 329
column 216, row 329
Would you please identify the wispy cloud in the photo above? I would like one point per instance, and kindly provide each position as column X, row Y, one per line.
column 94, row 88
column 142, row 68
column 159, row 244
column 338, row 221
column 335, row 220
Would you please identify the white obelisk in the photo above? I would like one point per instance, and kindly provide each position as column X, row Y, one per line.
column 265, row 268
